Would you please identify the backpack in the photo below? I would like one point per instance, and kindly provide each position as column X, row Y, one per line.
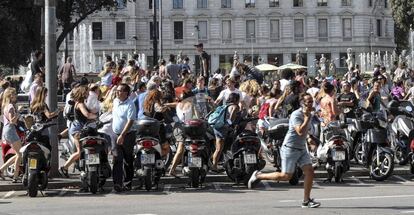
column 264, row 110
column 218, row 118
column 69, row 111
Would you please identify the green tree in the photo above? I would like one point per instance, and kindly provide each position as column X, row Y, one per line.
column 403, row 14
column 20, row 22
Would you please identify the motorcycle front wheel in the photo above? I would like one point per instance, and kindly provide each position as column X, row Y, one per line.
column 384, row 169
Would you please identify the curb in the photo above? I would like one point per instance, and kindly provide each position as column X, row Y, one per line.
column 74, row 182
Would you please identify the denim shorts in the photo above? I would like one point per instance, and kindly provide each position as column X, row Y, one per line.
column 10, row 134
column 221, row 133
column 292, row 157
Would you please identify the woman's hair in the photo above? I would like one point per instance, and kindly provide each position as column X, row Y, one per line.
column 131, row 62
column 108, row 103
column 7, row 94
column 287, row 74
column 38, row 104
column 250, row 87
column 234, row 98
column 80, row 94
column 107, row 68
column 154, row 96
column 5, row 84
column 329, row 88
column 274, row 92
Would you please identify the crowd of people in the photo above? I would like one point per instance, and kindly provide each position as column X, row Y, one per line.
column 127, row 93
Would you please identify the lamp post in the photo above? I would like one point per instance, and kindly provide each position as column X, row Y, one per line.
column 371, row 35
column 251, row 41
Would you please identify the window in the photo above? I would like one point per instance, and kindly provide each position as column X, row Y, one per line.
column 323, row 29
column 226, row 62
column 370, row 3
column 297, row 3
column 347, row 29
column 178, row 4
column 379, row 28
column 202, row 3
column 178, row 32
column 387, row 34
column 225, row 3
column 273, row 3
column 298, row 29
column 385, row 3
column 250, row 31
column 202, row 30
column 152, row 31
column 346, row 2
column 274, row 30
column 226, row 31
column 120, row 30
column 97, row 30
column 250, row 3
column 151, row 3
column 322, row 3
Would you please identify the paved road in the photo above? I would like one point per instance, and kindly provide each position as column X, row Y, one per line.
column 358, row 195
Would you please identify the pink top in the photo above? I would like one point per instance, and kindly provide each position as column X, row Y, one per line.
column 8, row 109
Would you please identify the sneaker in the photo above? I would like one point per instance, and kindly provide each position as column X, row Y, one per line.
column 253, row 181
column 63, row 172
column 311, row 204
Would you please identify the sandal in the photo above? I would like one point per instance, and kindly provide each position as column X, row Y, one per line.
column 63, row 172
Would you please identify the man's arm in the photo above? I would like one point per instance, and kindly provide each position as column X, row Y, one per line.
column 301, row 129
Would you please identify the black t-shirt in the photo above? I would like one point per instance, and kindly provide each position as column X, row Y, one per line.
column 347, row 97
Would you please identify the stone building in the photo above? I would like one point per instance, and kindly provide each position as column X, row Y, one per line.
column 268, row 29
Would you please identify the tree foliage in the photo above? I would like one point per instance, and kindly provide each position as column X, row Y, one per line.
column 403, row 14
column 20, row 22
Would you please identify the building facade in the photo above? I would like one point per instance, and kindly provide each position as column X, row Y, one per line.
column 268, row 29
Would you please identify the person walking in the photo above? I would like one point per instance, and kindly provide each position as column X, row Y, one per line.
column 293, row 152
column 67, row 74
column 124, row 115
column 204, row 62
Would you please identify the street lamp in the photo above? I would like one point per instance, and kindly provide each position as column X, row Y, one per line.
column 251, row 41
column 371, row 35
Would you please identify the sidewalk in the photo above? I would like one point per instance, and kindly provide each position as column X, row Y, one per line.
column 74, row 181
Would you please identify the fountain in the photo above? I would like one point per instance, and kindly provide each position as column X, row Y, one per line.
column 83, row 53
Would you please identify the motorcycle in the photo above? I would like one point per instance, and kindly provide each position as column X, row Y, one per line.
column 36, row 158
column 149, row 165
column 242, row 159
column 197, row 153
column 376, row 152
column 93, row 162
column 335, row 151
column 402, row 132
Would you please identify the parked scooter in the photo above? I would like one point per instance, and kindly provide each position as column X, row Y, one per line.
column 197, row 153
column 376, row 152
column 149, row 165
column 335, row 151
column 402, row 132
column 36, row 158
column 242, row 159
column 93, row 163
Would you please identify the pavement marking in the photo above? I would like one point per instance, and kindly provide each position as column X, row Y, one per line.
column 9, row 194
column 407, row 212
column 353, row 198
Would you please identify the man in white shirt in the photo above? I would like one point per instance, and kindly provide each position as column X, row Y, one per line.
column 224, row 95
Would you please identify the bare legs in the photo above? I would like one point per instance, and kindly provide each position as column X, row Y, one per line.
column 177, row 157
column 75, row 156
column 216, row 155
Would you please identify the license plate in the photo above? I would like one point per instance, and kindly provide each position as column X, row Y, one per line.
column 250, row 158
column 147, row 159
column 338, row 156
column 92, row 159
column 32, row 163
column 195, row 162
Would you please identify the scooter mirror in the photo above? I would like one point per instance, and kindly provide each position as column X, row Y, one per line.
column 408, row 108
